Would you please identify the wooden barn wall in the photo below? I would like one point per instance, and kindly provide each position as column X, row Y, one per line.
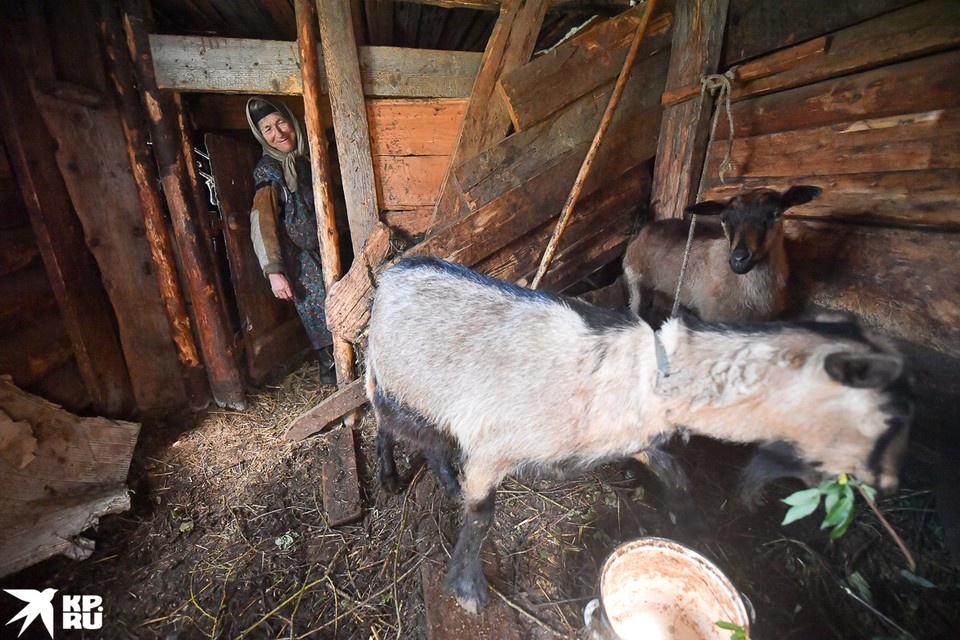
column 873, row 119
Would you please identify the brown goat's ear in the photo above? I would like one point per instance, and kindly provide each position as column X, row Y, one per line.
column 708, row 208
column 799, row 194
column 863, row 370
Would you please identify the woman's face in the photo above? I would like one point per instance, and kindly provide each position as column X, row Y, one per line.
column 278, row 132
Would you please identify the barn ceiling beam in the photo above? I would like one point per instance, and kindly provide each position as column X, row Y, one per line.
column 240, row 65
column 586, row 6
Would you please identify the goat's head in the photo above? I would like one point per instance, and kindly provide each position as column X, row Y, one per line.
column 753, row 221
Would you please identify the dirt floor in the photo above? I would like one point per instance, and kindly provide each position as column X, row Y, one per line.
column 227, row 539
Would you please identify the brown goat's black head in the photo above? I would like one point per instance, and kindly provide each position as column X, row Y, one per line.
column 752, row 221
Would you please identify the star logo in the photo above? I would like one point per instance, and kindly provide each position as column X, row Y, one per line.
column 39, row 603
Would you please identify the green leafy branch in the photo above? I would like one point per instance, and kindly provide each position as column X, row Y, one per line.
column 738, row 632
column 838, row 502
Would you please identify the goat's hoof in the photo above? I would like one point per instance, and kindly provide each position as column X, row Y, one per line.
column 471, row 593
column 391, row 484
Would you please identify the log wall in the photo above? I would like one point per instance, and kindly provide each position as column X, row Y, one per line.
column 874, row 119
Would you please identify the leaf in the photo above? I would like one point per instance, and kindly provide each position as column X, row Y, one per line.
column 186, row 526
column 803, row 496
column 729, row 626
column 799, row 511
column 838, row 514
column 841, row 528
column 870, row 491
column 860, row 585
column 915, row 579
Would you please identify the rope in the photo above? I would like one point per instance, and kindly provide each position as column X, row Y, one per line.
column 719, row 85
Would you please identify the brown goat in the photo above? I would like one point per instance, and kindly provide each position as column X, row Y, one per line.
column 752, row 289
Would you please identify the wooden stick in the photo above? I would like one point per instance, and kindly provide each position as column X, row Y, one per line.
column 212, row 327
column 144, row 168
column 594, row 146
column 320, row 162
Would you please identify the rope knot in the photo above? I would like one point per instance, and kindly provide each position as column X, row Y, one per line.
column 720, row 86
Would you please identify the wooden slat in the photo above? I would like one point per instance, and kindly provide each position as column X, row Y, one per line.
column 527, row 153
column 904, row 282
column 757, row 27
column 920, row 29
column 352, row 133
column 909, row 142
column 486, row 120
column 341, row 484
column 414, row 127
column 906, row 198
column 587, row 61
column 335, row 406
column 908, row 87
column 238, row 65
column 70, row 267
column 685, row 129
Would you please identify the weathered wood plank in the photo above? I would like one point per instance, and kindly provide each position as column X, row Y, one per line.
column 409, row 222
column 55, row 488
column 904, row 198
column 759, row 26
column 908, row 142
column 352, row 133
column 587, row 61
column 238, row 65
column 904, row 282
column 414, row 127
column 920, row 29
column 486, row 120
column 529, row 152
column 341, row 485
column 917, row 85
column 407, row 182
column 338, row 404
column 70, row 267
column 685, row 129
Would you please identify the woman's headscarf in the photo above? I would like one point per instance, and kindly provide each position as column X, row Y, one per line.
column 257, row 108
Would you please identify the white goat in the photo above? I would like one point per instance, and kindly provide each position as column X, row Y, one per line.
column 754, row 287
column 497, row 377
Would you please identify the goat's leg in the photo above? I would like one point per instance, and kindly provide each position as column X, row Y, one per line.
column 465, row 579
column 677, row 490
column 440, row 462
column 389, row 478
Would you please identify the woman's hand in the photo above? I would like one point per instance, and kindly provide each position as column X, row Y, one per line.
column 280, row 286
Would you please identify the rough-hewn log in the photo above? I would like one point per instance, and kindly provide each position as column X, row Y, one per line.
column 212, row 325
column 695, row 53
column 54, row 488
column 587, row 61
column 487, row 120
column 238, row 65
column 352, row 133
column 143, row 165
column 72, row 271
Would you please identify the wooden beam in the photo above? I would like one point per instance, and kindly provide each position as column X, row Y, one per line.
column 685, row 129
column 333, row 408
column 212, row 326
column 580, row 65
column 582, row 6
column 487, row 120
column 143, row 165
column 72, row 271
column 238, row 65
column 352, row 133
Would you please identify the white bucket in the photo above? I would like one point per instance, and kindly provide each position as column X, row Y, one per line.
column 657, row 589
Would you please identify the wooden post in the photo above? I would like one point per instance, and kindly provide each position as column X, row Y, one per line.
column 697, row 40
column 322, row 180
column 487, row 119
column 121, row 74
column 70, row 266
column 212, row 326
column 342, row 62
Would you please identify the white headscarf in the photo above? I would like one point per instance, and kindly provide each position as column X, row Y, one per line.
column 287, row 160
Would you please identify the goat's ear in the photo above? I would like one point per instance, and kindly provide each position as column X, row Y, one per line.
column 799, row 194
column 708, row 208
column 863, row 370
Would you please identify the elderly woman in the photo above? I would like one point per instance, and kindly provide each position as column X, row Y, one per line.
column 283, row 221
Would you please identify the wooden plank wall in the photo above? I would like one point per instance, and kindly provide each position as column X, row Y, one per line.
column 879, row 130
